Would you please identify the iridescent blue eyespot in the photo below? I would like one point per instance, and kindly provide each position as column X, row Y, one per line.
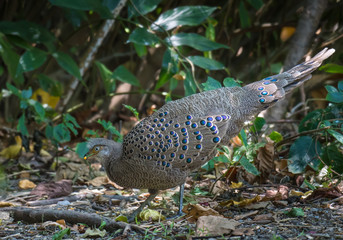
column 259, row 95
column 157, row 132
column 262, row 100
column 218, row 118
column 171, row 121
column 176, row 144
column 182, row 156
column 202, row 122
column 183, row 130
column 153, row 150
column 156, row 143
column 166, row 125
column 215, row 132
column 155, row 120
column 158, row 162
column 189, row 117
column 177, row 125
column 208, row 124
column 146, row 148
column 148, row 135
column 172, row 132
column 151, row 129
column 163, row 129
column 151, row 143
column 160, row 135
column 159, row 150
column 198, row 146
column 162, row 120
column 264, row 93
column 160, row 115
column 159, row 125
column 149, row 157
column 184, row 147
column 260, row 88
column 194, row 125
column 267, row 78
column 152, row 136
column 168, row 165
column 274, row 80
column 210, row 119
column 213, row 128
column 199, row 137
column 163, row 156
column 167, row 137
column 164, row 163
column 144, row 157
column 266, row 83
column 275, row 100
column 172, row 155
column 142, row 131
column 184, row 140
column 216, row 139
column 154, row 125
column 188, row 123
column 224, row 117
column 196, row 132
column 189, row 160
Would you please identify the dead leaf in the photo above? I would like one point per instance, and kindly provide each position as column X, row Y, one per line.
column 215, row 226
column 26, row 184
column 286, row 33
column 151, row 215
column 94, row 233
column 259, row 205
column 236, row 185
column 62, row 222
column 53, row 189
column 264, row 161
column 6, row 204
column 45, row 98
column 194, row 211
column 12, row 151
column 319, row 193
column 218, row 188
column 264, row 217
column 98, row 181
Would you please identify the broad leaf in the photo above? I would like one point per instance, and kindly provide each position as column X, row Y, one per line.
column 189, row 84
column 303, row 152
column 31, row 60
column 211, row 84
column 124, row 75
column 106, row 76
column 336, row 135
column 335, row 97
column 257, row 124
column 186, row 15
column 67, row 63
column 169, row 67
column 142, row 7
column 195, row 41
column 332, row 68
column 206, row 63
column 231, row 82
column 61, row 133
column 21, row 127
column 249, row 166
column 143, row 36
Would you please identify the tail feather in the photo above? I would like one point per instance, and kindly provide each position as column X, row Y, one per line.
column 274, row 88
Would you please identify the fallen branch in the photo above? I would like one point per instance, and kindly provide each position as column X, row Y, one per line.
column 90, row 219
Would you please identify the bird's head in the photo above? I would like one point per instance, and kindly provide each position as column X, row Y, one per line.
column 103, row 149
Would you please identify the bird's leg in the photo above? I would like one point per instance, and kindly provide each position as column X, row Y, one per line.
column 182, row 189
column 153, row 194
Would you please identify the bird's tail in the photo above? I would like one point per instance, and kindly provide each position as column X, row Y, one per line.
column 274, row 88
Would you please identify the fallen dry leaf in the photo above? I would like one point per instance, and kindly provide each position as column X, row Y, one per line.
column 264, row 217
column 53, row 189
column 26, row 184
column 243, row 232
column 259, row 205
column 6, row 204
column 151, row 215
column 245, row 215
column 215, row 226
column 98, row 181
column 194, row 211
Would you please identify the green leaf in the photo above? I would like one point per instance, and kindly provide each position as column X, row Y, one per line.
column 26, row 94
column 295, row 212
column 335, row 97
column 332, row 68
column 195, row 41
column 230, row 82
column 249, row 166
column 110, row 128
column 340, row 86
column 303, row 152
column 11, row 59
column 69, row 118
column 143, row 7
column 244, row 15
column 275, row 136
column 49, row 132
column 71, row 128
column 311, row 120
column 61, row 133
column 39, row 109
column 85, row 5
column 133, row 110
column 206, row 63
column 185, row 16
column 257, row 124
column 169, row 67
column 141, row 50
column 13, row 90
column 106, row 76
column 331, row 89
column 211, row 84
column 332, row 156
column 29, row 31
column 189, row 84
column 143, row 36
column 81, row 149
column 257, row 4
column 243, row 137
column 59, row 235
column 336, row 135
column 21, row 127
column 124, row 75
column 31, row 60
column 67, row 63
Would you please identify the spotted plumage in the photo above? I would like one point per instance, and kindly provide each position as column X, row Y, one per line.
column 161, row 150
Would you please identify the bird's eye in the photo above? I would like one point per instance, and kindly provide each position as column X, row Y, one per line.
column 97, row 149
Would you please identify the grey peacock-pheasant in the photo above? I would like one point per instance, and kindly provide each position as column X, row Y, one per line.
column 161, row 150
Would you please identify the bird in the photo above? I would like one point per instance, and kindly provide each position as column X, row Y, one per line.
column 165, row 147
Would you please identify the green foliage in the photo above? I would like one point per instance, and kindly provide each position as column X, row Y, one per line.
column 108, row 127
column 295, row 212
column 133, row 110
column 59, row 235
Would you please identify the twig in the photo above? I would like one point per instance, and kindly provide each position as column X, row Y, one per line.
column 91, row 219
column 92, row 50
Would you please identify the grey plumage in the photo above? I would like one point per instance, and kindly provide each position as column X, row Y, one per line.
column 161, row 150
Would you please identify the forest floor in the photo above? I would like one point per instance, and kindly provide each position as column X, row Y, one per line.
column 96, row 209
